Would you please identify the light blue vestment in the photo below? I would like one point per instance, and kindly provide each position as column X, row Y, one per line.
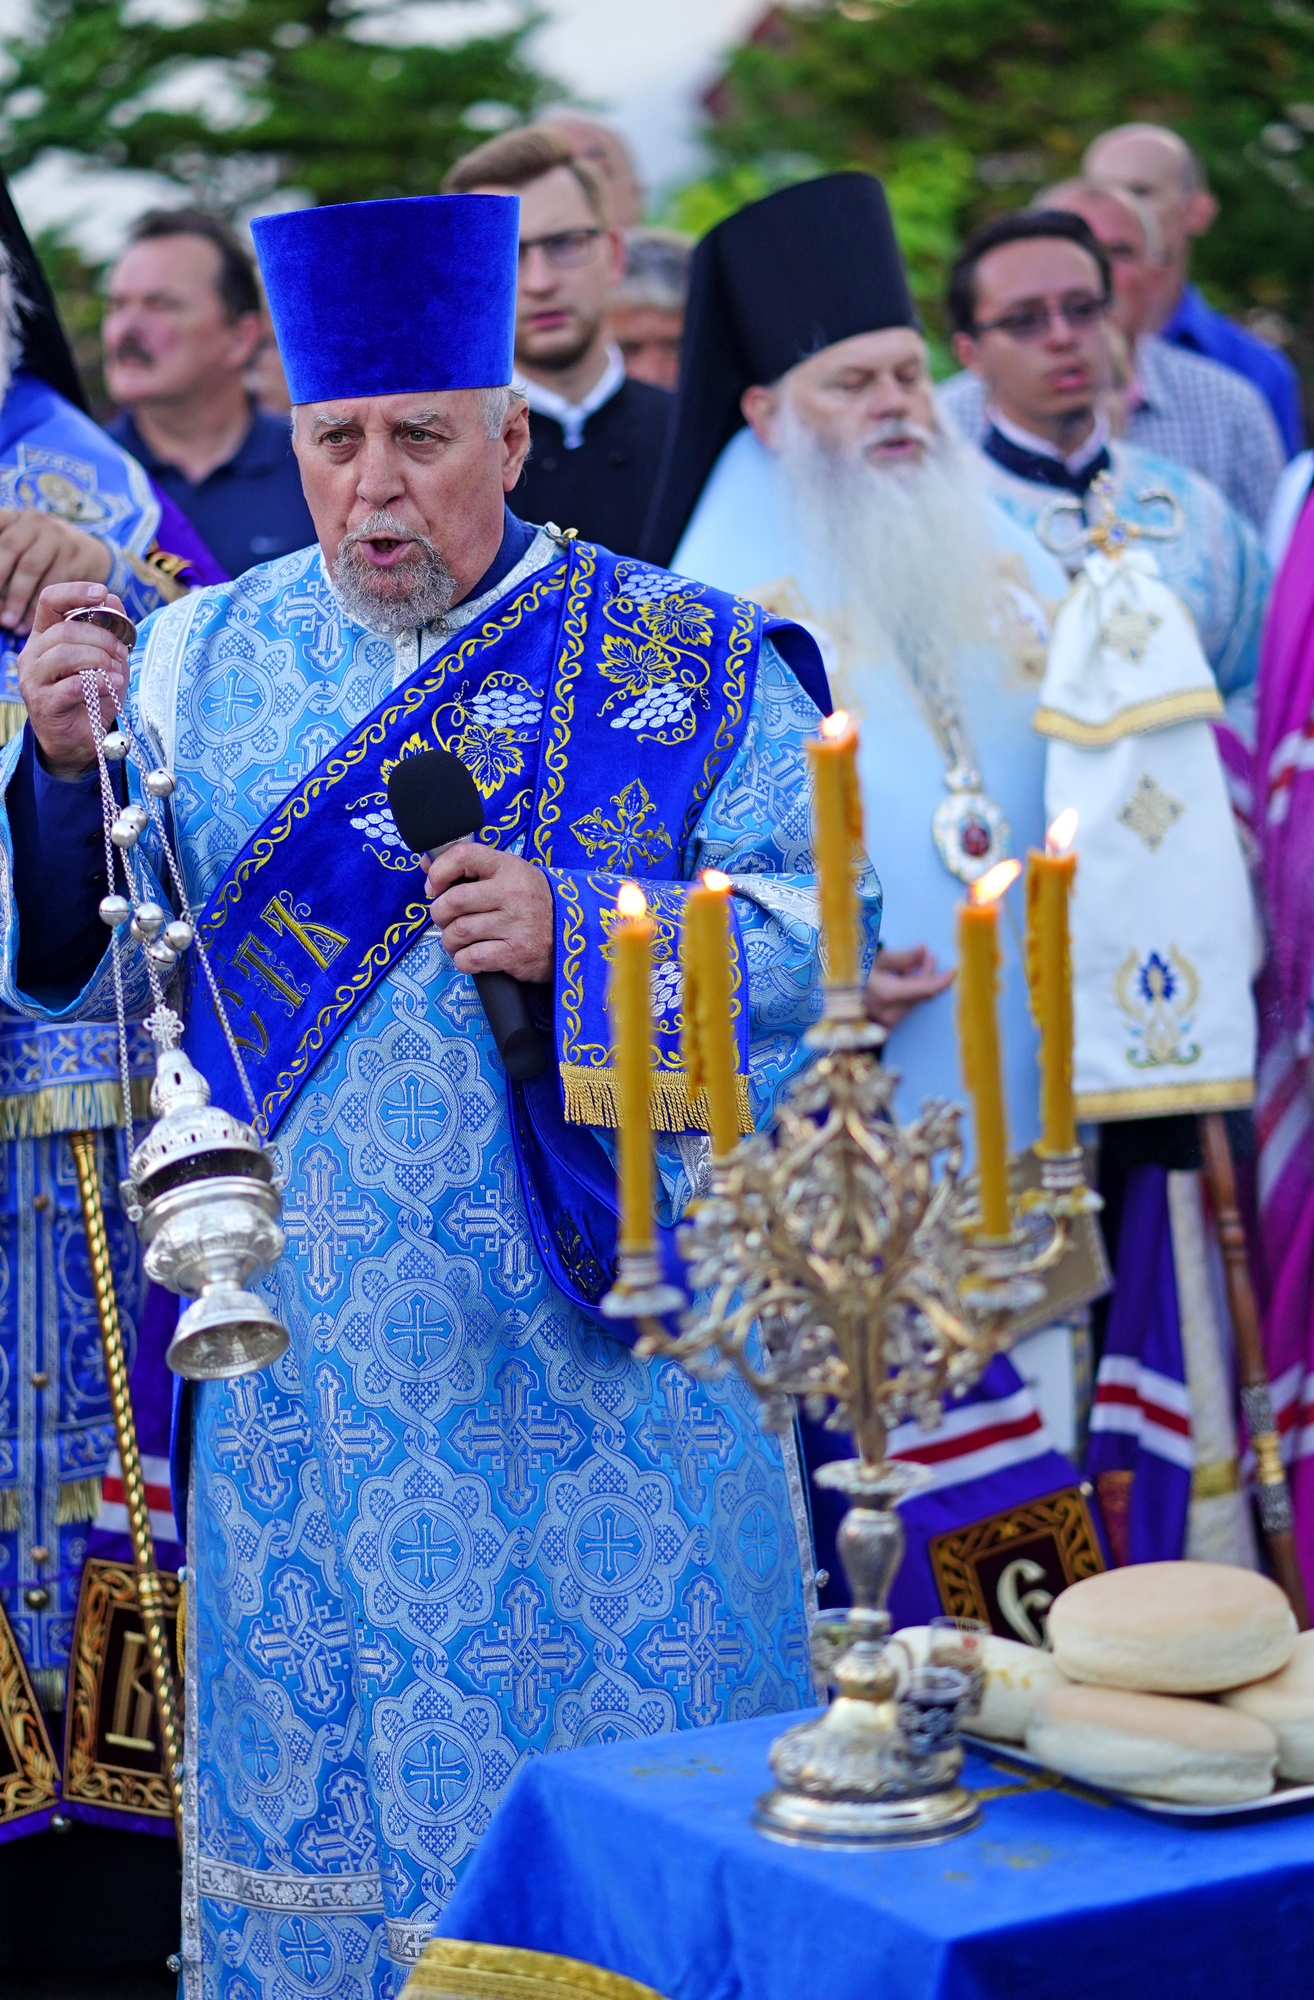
column 741, row 538
column 458, row 1523
column 56, row 1432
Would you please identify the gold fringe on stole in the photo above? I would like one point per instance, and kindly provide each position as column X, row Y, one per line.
column 10, row 1510
column 79, row 1500
column 593, row 1098
column 1159, row 1100
column 12, row 717
column 451, row 1969
column 70, row 1107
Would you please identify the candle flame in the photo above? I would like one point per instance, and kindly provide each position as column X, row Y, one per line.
column 1061, row 834
column 714, row 879
column 631, row 901
column 836, row 725
column 994, row 882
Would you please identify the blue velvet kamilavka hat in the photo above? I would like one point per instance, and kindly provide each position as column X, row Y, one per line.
column 390, row 298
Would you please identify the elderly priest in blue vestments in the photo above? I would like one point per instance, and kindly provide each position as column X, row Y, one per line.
column 459, row 1523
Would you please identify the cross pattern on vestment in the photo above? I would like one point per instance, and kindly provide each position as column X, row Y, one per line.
column 686, row 1435
column 515, row 1436
column 322, row 1222
column 441, row 1769
column 418, row 1328
column 602, row 1549
column 343, row 1838
column 257, row 1438
column 257, row 1748
column 703, row 1652
column 231, row 707
column 348, row 1438
column 304, row 1640
column 525, row 1655
column 413, row 1110
column 434, row 1554
column 758, row 1540
column 486, row 1222
column 305, row 1947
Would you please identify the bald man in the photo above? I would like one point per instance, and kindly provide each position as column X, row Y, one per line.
column 1178, row 405
column 1160, row 169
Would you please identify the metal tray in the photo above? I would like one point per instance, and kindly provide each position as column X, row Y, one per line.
column 1284, row 1798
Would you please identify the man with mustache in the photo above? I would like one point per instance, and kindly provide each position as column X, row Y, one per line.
column 458, row 1523
column 182, row 323
column 809, row 469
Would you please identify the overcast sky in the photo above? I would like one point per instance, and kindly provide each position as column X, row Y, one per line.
column 642, row 63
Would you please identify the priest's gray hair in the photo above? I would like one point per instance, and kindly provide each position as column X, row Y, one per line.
column 898, row 559
column 496, row 406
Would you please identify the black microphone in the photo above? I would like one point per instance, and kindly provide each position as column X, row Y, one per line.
column 434, row 800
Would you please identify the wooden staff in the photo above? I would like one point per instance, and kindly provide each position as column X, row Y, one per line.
column 150, row 1596
column 1271, row 1489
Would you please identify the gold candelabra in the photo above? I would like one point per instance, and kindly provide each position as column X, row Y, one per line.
column 839, row 1263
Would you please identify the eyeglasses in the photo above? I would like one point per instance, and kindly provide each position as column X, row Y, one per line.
column 1033, row 322
column 565, row 251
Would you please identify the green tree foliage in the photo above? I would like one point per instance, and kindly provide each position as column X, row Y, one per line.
column 967, row 107
column 238, row 97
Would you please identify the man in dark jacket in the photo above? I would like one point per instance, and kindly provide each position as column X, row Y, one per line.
column 181, row 326
column 596, row 436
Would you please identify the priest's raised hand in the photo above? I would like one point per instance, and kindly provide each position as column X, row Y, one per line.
column 48, row 675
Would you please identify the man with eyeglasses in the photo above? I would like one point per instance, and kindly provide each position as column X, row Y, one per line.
column 1176, row 404
column 596, row 436
column 1029, row 301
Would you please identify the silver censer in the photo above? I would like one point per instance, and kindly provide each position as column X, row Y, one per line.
column 836, row 1267
column 202, row 1189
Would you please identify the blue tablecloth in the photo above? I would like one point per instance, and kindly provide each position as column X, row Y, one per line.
column 639, row 1857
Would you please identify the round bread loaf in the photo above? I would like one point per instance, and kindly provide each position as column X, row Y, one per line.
column 1285, row 1701
column 1154, row 1745
column 1016, row 1677
column 1172, row 1628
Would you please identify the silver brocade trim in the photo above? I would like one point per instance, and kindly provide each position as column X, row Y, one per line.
column 1275, row 1514
column 193, row 1971
column 784, row 901
column 407, row 1941
column 792, row 1459
column 261, row 1889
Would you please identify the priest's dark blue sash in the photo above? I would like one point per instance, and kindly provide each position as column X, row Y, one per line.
column 596, row 707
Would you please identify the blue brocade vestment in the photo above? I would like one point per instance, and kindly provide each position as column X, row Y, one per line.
column 56, row 1435
column 459, row 1523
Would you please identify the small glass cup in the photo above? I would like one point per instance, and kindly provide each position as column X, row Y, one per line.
column 959, row 1643
column 931, row 1704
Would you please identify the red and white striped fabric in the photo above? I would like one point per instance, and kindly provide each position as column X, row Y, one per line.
column 1293, row 1411
column 975, row 1439
column 1294, row 753
column 1140, row 1403
column 113, row 1516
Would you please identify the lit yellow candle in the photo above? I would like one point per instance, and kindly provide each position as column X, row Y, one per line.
column 1049, row 974
column 709, row 1040
column 978, row 1037
column 837, row 842
column 630, row 1000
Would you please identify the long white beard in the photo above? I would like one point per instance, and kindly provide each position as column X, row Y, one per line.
column 898, row 563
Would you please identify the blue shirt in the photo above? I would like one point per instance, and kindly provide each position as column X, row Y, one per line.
column 1197, row 326
column 247, row 511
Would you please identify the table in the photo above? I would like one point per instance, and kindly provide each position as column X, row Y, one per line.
column 638, row 1856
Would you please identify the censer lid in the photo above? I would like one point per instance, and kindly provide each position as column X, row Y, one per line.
column 188, row 1126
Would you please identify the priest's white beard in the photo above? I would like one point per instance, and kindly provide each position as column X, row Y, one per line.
column 418, row 592
column 898, row 561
